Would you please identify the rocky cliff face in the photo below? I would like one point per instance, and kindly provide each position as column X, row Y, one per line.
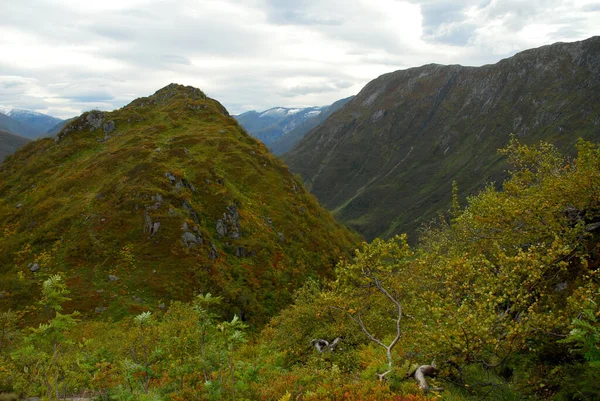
column 385, row 162
column 158, row 201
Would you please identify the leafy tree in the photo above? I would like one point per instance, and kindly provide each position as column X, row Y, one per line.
column 45, row 358
column 369, row 281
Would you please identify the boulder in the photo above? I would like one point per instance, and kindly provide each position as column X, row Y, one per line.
column 221, row 228
column 34, row 267
column 109, row 127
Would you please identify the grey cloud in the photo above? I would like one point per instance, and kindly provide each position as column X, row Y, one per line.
column 297, row 13
column 175, row 59
column 516, row 13
column 310, row 89
column 590, row 8
column 91, row 98
column 459, row 35
column 111, row 32
column 239, row 55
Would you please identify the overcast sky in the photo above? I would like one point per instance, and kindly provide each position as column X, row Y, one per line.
column 62, row 57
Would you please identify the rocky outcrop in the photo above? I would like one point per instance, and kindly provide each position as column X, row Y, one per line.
column 229, row 225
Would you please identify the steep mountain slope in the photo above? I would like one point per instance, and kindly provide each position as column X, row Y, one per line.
column 385, row 162
column 274, row 123
column 286, row 142
column 16, row 127
column 38, row 122
column 9, row 143
column 157, row 201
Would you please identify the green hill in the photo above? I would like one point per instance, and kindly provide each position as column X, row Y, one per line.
column 160, row 200
column 385, row 162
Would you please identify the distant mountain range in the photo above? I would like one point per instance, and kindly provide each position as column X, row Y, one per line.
column 9, row 143
column 280, row 128
column 27, row 123
column 385, row 162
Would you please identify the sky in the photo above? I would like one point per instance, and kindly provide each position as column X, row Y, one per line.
column 63, row 57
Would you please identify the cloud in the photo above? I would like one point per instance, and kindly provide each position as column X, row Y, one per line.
column 67, row 56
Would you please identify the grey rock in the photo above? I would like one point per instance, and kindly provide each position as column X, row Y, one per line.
column 281, row 237
column 94, row 119
column 560, row 286
column 137, row 299
column 112, row 277
column 171, row 210
column 171, row 177
column 213, row 253
column 33, row 267
column 161, row 306
column 150, row 227
column 592, row 227
column 186, row 205
column 185, row 226
column 189, row 239
column 157, row 150
column 157, row 198
column 234, row 213
column 221, row 228
column 179, row 185
column 109, row 127
column 19, row 205
column 147, row 222
column 101, row 309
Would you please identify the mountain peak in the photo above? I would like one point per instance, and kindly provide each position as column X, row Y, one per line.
column 174, row 182
column 176, row 95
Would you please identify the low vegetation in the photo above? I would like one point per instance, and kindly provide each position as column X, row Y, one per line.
column 500, row 301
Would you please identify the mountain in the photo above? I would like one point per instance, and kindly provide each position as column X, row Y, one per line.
column 38, row 122
column 58, row 127
column 27, row 123
column 385, row 162
column 9, row 124
column 286, row 142
column 269, row 125
column 158, row 201
column 9, row 143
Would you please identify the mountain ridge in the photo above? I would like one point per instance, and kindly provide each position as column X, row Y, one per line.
column 160, row 200
column 392, row 152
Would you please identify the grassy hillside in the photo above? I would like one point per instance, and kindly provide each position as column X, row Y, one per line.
column 160, row 200
column 385, row 162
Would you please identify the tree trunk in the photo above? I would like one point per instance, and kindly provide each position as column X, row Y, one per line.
column 420, row 376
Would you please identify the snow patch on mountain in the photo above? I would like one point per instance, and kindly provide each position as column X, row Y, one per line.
column 23, row 112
